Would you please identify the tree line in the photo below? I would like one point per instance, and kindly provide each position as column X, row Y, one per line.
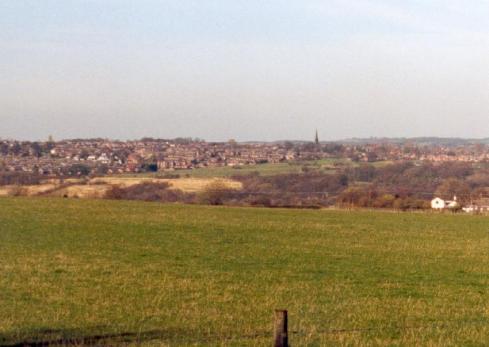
column 403, row 186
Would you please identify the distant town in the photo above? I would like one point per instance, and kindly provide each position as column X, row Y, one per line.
column 79, row 157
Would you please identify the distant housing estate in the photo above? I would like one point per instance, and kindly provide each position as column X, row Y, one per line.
column 102, row 156
column 108, row 157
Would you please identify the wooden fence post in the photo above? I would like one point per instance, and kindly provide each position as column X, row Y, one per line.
column 280, row 335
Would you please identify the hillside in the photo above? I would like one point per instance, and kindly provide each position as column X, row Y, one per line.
column 131, row 272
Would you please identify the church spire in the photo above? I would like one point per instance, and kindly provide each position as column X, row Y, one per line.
column 316, row 139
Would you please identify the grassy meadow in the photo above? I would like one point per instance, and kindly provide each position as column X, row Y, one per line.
column 133, row 273
column 267, row 169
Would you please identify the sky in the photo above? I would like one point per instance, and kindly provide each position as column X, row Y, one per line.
column 244, row 69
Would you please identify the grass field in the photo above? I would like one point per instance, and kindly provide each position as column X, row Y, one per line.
column 268, row 169
column 228, row 171
column 150, row 274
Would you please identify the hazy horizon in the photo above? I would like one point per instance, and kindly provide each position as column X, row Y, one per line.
column 249, row 70
column 170, row 138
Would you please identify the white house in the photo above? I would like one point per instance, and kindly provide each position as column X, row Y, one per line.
column 440, row 204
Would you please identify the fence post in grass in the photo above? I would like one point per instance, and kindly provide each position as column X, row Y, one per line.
column 280, row 334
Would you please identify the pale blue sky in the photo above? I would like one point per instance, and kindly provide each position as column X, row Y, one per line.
column 244, row 69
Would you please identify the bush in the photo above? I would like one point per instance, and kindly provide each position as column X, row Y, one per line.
column 19, row 178
column 18, row 191
column 215, row 193
column 149, row 191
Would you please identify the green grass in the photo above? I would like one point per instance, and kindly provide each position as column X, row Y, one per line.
column 228, row 171
column 152, row 274
column 268, row 169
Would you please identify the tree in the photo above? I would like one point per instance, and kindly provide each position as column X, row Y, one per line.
column 79, row 170
column 4, row 148
column 215, row 193
column 150, row 167
column 309, row 147
column 84, row 154
column 384, row 201
column 453, row 187
column 372, row 156
column 16, row 149
column 36, row 149
column 102, row 169
column 288, row 145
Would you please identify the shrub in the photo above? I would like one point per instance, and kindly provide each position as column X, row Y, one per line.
column 19, row 178
column 149, row 191
column 215, row 193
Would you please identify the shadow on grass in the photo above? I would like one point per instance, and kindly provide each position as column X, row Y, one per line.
column 74, row 337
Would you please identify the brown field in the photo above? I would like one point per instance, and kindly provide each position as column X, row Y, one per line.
column 97, row 187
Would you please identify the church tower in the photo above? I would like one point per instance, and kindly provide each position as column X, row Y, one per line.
column 316, row 139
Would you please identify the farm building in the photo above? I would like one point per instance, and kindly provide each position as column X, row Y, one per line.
column 478, row 206
column 440, row 204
